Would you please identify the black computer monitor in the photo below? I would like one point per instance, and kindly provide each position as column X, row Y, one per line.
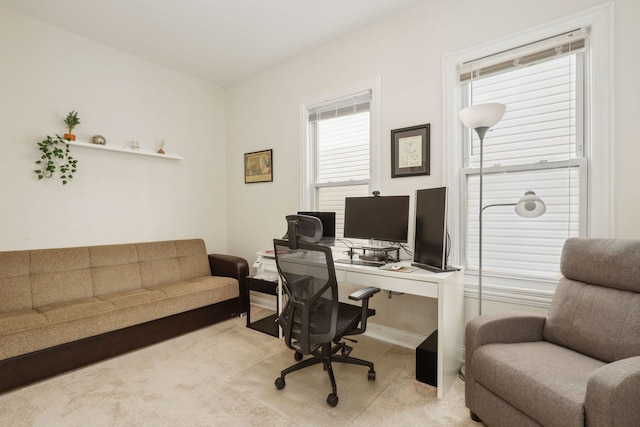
column 378, row 218
column 430, row 250
column 328, row 220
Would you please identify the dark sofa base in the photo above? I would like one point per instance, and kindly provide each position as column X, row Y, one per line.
column 25, row 369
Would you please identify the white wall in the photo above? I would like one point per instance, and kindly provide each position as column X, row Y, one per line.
column 115, row 197
column 406, row 51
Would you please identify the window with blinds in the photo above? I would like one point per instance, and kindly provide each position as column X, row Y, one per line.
column 538, row 146
column 339, row 137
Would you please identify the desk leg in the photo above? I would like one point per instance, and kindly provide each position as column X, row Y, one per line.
column 450, row 334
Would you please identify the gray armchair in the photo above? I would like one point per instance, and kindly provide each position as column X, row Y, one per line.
column 577, row 366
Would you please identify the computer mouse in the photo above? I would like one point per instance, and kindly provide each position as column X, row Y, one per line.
column 396, row 267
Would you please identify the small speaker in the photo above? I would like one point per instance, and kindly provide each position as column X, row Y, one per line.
column 427, row 360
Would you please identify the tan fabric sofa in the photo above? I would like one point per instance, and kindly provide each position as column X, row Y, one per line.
column 577, row 366
column 56, row 299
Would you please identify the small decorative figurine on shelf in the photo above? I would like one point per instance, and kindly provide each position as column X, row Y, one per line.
column 99, row 140
column 161, row 151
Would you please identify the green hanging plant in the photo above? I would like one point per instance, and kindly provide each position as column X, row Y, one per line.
column 56, row 156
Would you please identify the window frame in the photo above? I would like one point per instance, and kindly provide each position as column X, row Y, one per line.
column 599, row 118
column 308, row 185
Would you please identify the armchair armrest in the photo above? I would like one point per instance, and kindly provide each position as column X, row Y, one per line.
column 503, row 328
column 612, row 394
column 236, row 267
column 497, row 328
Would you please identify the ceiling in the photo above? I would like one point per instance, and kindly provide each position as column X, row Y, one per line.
column 220, row 41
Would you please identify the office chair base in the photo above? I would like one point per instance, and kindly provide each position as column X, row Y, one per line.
column 326, row 356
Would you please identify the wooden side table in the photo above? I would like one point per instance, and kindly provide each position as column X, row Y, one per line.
column 267, row 325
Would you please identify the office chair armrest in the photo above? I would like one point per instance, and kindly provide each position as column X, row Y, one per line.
column 363, row 293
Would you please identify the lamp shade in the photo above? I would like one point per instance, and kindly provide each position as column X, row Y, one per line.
column 482, row 115
column 530, row 205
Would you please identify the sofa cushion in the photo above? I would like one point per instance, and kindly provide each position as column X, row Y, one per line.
column 108, row 255
column 600, row 322
column 159, row 271
column 20, row 320
column 543, row 380
column 115, row 278
column 151, row 251
column 194, row 266
column 78, row 309
column 14, row 263
column 132, row 297
column 53, row 288
column 15, row 292
column 57, row 260
column 182, row 287
column 192, row 258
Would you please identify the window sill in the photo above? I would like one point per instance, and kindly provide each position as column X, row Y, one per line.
column 521, row 291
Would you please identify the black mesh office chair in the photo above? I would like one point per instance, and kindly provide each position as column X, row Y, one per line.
column 312, row 318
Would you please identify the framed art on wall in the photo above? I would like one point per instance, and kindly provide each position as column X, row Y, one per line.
column 258, row 166
column 410, row 151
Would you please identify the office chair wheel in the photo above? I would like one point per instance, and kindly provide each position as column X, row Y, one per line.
column 280, row 383
column 372, row 375
column 332, row 400
column 297, row 356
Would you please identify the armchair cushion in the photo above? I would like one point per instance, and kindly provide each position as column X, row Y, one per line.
column 543, row 380
column 612, row 335
column 612, row 263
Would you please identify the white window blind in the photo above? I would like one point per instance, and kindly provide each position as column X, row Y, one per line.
column 340, row 134
column 538, row 145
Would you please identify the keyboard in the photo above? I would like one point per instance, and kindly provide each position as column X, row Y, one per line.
column 359, row 262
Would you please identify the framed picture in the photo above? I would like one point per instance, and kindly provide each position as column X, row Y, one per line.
column 258, row 167
column 410, row 151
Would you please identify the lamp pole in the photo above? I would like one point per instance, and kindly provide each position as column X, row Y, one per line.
column 481, row 131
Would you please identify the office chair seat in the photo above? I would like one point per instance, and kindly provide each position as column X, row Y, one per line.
column 349, row 317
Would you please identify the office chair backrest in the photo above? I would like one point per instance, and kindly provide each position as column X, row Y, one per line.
column 308, row 277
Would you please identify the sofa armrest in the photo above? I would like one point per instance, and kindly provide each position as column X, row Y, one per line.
column 236, row 267
column 612, row 394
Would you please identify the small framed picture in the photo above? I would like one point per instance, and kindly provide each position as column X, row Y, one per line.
column 258, row 166
column 410, row 151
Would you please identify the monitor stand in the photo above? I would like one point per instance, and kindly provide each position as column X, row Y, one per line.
column 434, row 269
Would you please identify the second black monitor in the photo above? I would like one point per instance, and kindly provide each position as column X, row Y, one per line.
column 378, row 218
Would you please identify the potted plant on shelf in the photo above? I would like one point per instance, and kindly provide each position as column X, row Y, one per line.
column 71, row 121
column 56, row 156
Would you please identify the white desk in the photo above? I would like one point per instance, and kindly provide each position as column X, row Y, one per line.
column 447, row 288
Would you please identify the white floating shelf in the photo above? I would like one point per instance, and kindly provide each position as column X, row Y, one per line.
column 139, row 151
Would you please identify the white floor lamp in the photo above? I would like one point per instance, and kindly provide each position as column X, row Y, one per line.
column 481, row 118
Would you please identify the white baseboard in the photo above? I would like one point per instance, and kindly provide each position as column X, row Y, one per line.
column 384, row 333
column 394, row 336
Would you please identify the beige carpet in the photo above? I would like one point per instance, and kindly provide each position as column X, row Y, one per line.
column 224, row 375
